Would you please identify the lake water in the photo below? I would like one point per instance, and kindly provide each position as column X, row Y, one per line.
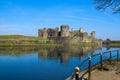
column 54, row 63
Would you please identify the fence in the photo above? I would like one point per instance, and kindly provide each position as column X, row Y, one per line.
column 89, row 63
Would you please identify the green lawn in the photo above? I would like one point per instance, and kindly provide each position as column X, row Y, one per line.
column 17, row 37
column 24, row 41
column 29, row 41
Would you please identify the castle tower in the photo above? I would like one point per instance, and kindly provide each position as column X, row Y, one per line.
column 65, row 31
column 81, row 30
column 56, row 31
column 40, row 33
column 45, row 34
column 93, row 33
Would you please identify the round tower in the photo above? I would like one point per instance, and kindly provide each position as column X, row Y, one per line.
column 65, row 31
column 93, row 33
column 81, row 30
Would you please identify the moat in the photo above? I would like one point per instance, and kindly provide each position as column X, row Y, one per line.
column 28, row 63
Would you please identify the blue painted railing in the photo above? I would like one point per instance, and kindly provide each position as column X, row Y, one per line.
column 93, row 60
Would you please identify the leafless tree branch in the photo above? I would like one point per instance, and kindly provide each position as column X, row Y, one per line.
column 114, row 5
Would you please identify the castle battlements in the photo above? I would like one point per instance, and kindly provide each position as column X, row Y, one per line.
column 75, row 36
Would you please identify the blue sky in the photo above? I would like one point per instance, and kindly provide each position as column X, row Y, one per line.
column 25, row 17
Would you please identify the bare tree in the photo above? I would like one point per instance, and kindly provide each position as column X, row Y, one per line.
column 114, row 5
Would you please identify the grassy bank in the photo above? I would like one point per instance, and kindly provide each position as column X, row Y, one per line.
column 84, row 44
column 114, row 44
column 29, row 45
column 24, row 41
column 29, row 41
column 20, row 37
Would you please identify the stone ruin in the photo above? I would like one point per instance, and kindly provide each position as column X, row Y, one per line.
column 64, row 32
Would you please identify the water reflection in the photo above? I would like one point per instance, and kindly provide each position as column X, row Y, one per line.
column 63, row 54
column 17, row 50
column 41, row 63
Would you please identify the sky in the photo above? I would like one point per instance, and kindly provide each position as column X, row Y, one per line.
column 25, row 17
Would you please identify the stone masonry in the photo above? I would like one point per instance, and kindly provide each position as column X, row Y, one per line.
column 74, row 36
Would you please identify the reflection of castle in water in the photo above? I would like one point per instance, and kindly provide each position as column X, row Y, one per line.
column 64, row 53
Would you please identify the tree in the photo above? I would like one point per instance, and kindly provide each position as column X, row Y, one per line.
column 114, row 5
column 108, row 41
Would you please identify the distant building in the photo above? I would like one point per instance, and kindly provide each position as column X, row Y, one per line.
column 74, row 36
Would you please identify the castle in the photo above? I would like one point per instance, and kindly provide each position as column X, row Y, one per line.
column 64, row 35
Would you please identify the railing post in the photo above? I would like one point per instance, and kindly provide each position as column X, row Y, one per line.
column 117, row 55
column 101, row 61
column 77, row 70
column 89, row 68
column 110, row 57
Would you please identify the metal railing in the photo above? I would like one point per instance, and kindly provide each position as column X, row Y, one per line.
column 95, row 60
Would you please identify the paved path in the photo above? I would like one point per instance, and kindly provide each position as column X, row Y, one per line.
column 105, row 75
column 112, row 74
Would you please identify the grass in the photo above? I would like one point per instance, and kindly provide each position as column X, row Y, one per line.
column 17, row 37
column 24, row 41
column 114, row 44
column 118, row 42
column 29, row 41
column 85, row 44
column 29, row 45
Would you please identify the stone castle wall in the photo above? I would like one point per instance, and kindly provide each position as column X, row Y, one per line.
column 65, row 36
